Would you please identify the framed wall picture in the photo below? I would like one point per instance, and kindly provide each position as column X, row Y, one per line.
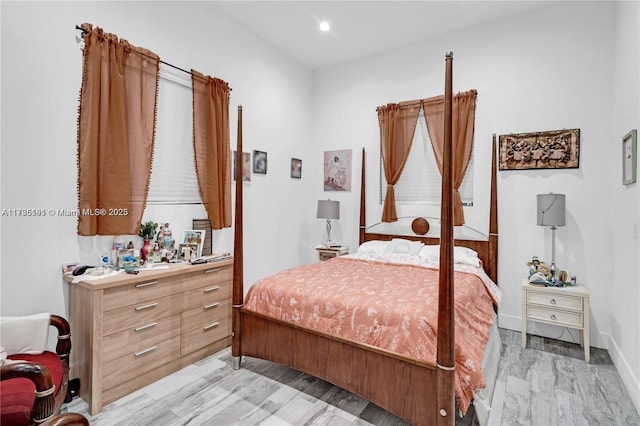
column 296, row 168
column 337, row 170
column 260, row 162
column 194, row 237
column 246, row 166
column 629, row 157
column 554, row 149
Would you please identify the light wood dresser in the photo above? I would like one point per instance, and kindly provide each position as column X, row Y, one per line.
column 131, row 330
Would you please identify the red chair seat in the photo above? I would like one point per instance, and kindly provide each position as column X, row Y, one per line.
column 18, row 394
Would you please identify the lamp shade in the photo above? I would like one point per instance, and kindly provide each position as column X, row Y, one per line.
column 551, row 209
column 328, row 209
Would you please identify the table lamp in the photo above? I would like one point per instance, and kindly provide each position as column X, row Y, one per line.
column 328, row 209
column 551, row 212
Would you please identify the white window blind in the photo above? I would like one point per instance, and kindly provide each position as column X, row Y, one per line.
column 173, row 175
column 420, row 181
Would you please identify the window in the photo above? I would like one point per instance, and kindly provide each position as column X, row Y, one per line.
column 173, row 175
column 420, row 181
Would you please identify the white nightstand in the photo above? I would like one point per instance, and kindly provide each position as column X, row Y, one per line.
column 563, row 306
column 326, row 253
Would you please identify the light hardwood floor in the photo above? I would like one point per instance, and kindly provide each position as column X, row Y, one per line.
column 547, row 383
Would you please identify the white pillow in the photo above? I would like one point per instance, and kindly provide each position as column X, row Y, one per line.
column 402, row 246
column 466, row 255
column 461, row 254
column 25, row 335
column 373, row 247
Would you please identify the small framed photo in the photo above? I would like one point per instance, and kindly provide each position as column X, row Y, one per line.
column 629, row 157
column 260, row 162
column 246, row 166
column 194, row 237
column 188, row 252
column 296, row 168
column 68, row 268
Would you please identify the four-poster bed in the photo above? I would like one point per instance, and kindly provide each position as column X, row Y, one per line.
column 416, row 390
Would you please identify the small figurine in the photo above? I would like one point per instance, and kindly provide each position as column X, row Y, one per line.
column 533, row 265
column 130, row 245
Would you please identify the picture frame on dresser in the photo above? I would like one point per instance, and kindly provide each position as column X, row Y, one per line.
column 629, row 157
column 194, row 236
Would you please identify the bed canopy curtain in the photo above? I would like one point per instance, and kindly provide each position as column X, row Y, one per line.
column 397, row 126
column 464, row 113
column 116, row 126
column 211, row 146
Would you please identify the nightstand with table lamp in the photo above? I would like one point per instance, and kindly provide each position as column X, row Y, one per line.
column 549, row 299
column 329, row 209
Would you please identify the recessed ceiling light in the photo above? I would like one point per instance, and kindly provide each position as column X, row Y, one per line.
column 324, row 26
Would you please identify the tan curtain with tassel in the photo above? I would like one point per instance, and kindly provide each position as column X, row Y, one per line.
column 397, row 126
column 211, row 146
column 116, row 126
column 464, row 114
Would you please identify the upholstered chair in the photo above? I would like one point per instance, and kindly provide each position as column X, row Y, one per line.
column 33, row 380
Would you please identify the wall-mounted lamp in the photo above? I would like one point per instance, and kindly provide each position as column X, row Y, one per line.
column 551, row 212
column 328, row 209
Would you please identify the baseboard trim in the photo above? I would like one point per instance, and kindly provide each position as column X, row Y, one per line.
column 626, row 373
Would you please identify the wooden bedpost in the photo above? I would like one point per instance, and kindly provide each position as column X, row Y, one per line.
column 238, row 283
column 445, row 358
column 492, row 269
column 363, row 204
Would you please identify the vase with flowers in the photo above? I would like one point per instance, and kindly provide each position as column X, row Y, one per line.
column 147, row 232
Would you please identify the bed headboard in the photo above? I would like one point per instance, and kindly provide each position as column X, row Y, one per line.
column 487, row 248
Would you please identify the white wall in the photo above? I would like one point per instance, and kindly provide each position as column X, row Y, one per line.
column 41, row 76
column 624, row 320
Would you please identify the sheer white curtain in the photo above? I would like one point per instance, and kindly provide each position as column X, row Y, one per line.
column 420, row 182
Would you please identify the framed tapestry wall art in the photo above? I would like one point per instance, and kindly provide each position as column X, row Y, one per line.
column 555, row 149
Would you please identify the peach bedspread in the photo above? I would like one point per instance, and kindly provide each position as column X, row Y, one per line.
column 387, row 301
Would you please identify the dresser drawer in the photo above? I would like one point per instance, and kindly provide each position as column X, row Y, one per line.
column 205, row 335
column 205, row 314
column 555, row 300
column 555, row 316
column 141, row 313
column 133, row 339
column 207, row 295
column 207, row 277
column 136, row 363
column 144, row 290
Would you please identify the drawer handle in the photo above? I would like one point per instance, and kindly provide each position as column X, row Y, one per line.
column 553, row 317
column 144, row 327
column 553, row 301
column 146, row 351
column 210, row 289
column 150, row 305
column 142, row 285
column 211, row 306
column 208, row 271
column 210, row 326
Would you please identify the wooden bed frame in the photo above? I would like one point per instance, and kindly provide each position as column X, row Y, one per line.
column 422, row 393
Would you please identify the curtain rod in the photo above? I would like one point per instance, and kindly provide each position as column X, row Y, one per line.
column 161, row 61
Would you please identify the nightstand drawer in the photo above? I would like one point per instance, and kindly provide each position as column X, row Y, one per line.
column 326, row 255
column 555, row 300
column 555, row 316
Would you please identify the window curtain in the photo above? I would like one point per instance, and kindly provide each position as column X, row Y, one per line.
column 211, row 146
column 116, row 125
column 397, row 126
column 464, row 113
